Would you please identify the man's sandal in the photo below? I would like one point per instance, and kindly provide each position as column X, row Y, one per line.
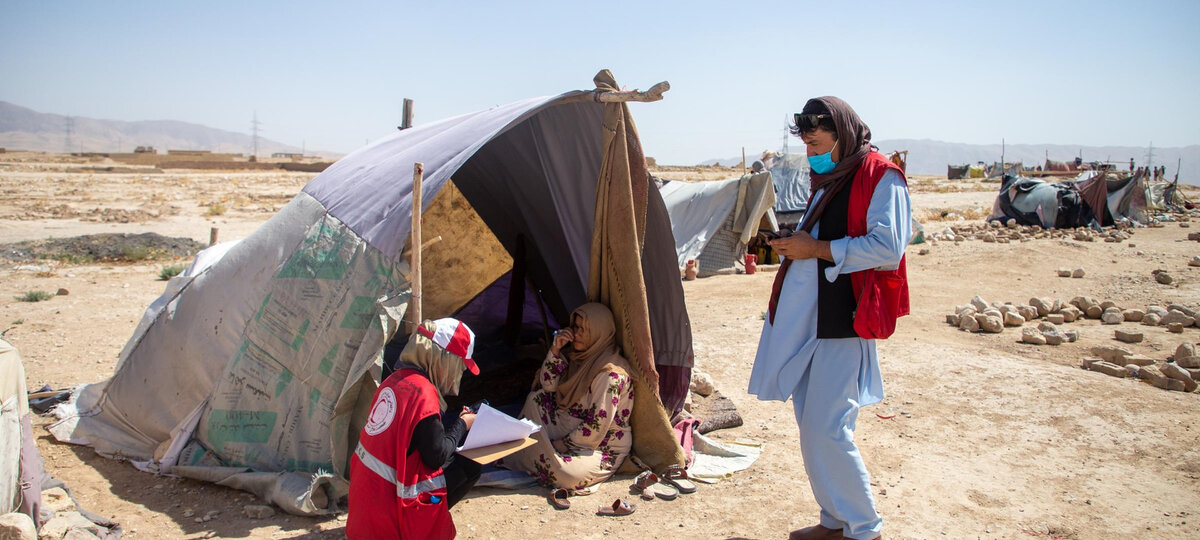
column 618, row 508
column 677, row 476
column 648, row 485
column 558, row 498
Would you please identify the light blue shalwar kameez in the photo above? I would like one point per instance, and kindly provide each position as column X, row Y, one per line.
column 829, row 379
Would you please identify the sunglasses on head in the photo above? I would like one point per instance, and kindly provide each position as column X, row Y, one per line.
column 808, row 122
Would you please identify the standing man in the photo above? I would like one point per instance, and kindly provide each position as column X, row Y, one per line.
column 841, row 287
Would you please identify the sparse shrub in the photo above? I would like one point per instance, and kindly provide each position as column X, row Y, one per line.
column 136, row 253
column 217, row 209
column 18, row 321
column 171, row 270
column 34, row 296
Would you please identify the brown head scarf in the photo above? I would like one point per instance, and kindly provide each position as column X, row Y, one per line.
column 601, row 355
column 443, row 368
column 853, row 137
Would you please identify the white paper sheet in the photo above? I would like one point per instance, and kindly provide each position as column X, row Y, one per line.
column 493, row 427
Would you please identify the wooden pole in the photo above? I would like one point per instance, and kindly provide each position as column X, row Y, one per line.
column 743, row 160
column 212, row 236
column 406, row 119
column 415, row 300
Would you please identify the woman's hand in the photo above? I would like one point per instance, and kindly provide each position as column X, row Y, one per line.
column 559, row 445
column 468, row 417
column 561, row 339
column 801, row 245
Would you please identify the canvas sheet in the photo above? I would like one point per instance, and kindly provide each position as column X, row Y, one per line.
column 697, row 210
column 790, row 175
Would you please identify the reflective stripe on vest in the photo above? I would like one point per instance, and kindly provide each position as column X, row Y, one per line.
column 388, row 473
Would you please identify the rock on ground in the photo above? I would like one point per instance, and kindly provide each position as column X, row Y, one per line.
column 1152, row 319
column 258, row 511
column 702, row 383
column 61, row 524
column 1128, row 336
column 17, row 526
column 1031, row 335
column 1108, row 368
column 1175, row 372
column 1112, row 315
column 1133, row 315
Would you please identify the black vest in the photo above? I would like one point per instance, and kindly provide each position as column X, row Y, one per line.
column 835, row 301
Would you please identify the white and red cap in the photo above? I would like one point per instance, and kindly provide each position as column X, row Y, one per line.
column 454, row 336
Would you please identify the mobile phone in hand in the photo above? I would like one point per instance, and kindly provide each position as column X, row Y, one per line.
column 475, row 406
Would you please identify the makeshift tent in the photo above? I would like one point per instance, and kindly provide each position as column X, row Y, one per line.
column 789, row 172
column 1035, row 202
column 714, row 221
column 957, row 172
column 256, row 367
column 997, row 170
column 1092, row 199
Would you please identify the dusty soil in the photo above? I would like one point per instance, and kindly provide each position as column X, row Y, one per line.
column 980, row 436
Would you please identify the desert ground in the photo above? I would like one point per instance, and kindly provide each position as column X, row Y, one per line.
column 980, row 435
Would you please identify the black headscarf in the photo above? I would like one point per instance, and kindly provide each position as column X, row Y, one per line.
column 853, row 137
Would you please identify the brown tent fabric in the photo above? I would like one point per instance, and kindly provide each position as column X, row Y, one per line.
column 615, row 276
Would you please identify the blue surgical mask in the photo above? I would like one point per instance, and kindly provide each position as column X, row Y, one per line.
column 823, row 163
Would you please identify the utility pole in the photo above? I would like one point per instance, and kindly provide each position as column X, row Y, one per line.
column 1002, row 158
column 70, row 129
column 254, row 123
column 1150, row 155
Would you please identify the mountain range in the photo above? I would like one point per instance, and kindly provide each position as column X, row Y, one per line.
column 26, row 129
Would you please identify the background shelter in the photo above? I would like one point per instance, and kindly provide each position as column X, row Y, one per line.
column 256, row 367
column 789, row 172
column 714, row 221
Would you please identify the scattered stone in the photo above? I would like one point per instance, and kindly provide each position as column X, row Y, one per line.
column 1029, row 313
column 63, row 292
column 1182, row 309
column 1163, row 277
column 1155, row 376
column 1112, row 315
column 1013, row 319
column 1176, row 316
column 1129, row 337
column 56, row 500
column 924, row 251
column 1093, row 311
column 1151, row 319
column 1108, row 368
column 991, row 324
column 1031, row 335
column 702, row 383
column 1131, row 370
column 1185, row 350
column 1195, row 261
column 979, row 304
column 1157, row 310
column 1111, row 353
column 1133, row 315
column 1194, row 236
column 1189, row 362
column 1042, row 305
column 989, row 238
column 993, row 312
column 79, row 534
column 62, row 523
column 952, row 319
column 1175, row 372
column 1064, row 272
column 1138, row 360
column 1175, row 328
column 969, row 324
column 1070, row 313
column 1071, row 335
column 1056, row 318
column 17, row 526
column 258, row 511
column 1053, row 336
column 1078, row 273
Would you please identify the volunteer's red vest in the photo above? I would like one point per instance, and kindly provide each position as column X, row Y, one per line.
column 882, row 294
column 392, row 495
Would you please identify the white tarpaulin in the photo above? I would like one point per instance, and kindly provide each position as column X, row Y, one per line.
column 701, row 211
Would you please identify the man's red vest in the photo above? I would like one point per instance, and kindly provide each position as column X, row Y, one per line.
column 882, row 294
column 392, row 493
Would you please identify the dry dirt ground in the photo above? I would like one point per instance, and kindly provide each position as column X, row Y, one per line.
column 980, row 436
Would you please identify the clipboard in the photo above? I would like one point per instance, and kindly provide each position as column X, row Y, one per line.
column 487, row 454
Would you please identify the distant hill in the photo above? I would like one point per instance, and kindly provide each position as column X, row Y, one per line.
column 931, row 157
column 26, row 129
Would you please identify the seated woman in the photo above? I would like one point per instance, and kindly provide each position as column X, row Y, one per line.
column 582, row 398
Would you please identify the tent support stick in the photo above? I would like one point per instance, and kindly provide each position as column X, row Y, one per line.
column 415, row 300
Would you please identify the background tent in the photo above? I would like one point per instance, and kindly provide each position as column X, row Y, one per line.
column 1116, row 196
column 789, row 172
column 1035, row 202
column 714, row 221
column 957, row 172
column 256, row 367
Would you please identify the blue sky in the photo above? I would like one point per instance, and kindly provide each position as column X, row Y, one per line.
column 332, row 75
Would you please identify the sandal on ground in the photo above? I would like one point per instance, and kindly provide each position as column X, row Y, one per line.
column 558, row 498
column 649, row 486
column 618, row 508
column 677, row 476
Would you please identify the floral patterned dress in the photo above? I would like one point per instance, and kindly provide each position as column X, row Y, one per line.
column 596, row 432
